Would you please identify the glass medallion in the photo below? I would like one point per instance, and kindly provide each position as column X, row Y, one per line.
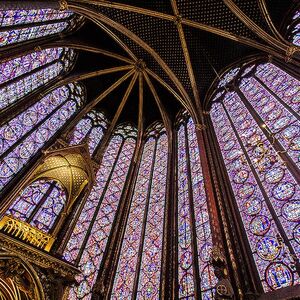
column 296, row 233
column 290, row 132
column 234, row 154
column 282, row 122
column 284, row 191
column 187, row 284
column 205, row 252
column 291, row 211
column 229, row 145
column 295, row 145
column 208, row 278
column 186, row 259
column 274, row 114
column 246, row 190
column 268, row 107
column 252, row 206
column 268, row 248
column 241, row 176
column 260, row 225
column 279, row 275
column 274, row 175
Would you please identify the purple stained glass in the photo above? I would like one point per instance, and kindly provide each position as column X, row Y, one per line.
column 117, row 165
column 40, row 204
column 13, row 18
column 186, row 275
column 13, row 68
column 21, row 16
column 19, row 87
column 24, row 135
column 150, row 270
column 91, row 127
column 204, row 239
column 277, row 119
column 30, row 197
column 286, row 87
column 127, row 265
column 276, row 180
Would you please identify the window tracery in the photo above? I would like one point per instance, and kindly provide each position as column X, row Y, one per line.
column 256, row 121
column 91, row 127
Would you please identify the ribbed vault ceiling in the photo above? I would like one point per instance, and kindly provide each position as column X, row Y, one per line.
column 183, row 45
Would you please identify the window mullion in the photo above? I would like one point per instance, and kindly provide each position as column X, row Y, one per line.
column 197, row 294
column 296, row 115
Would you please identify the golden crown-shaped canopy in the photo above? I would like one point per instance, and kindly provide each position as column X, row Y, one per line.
column 70, row 166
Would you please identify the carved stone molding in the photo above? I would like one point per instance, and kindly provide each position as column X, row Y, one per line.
column 38, row 257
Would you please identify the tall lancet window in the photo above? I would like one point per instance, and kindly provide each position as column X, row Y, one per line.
column 24, row 135
column 139, row 266
column 255, row 114
column 89, row 238
column 22, row 25
column 21, row 75
column 196, row 279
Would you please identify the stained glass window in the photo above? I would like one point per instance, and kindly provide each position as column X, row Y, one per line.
column 91, row 127
column 24, row 74
column 294, row 29
column 193, row 220
column 23, row 136
column 146, row 219
column 258, row 130
column 39, row 204
column 21, row 25
column 99, row 211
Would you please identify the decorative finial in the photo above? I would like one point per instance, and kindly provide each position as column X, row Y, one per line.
column 290, row 51
column 63, row 5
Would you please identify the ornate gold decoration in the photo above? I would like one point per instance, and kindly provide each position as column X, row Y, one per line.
column 290, row 51
column 37, row 257
column 26, row 232
column 63, row 5
column 200, row 126
column 70, row 166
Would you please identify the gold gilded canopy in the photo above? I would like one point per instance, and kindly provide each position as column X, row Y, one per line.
column 70, row 166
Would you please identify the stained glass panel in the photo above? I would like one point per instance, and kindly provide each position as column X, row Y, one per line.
column 24, row 135
column 101, row 205
column 55, row 60
column 186, row 275
column 15, row 33
column 150, row 270
column 265, row 189
column 124, row 279
column 39, row 204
